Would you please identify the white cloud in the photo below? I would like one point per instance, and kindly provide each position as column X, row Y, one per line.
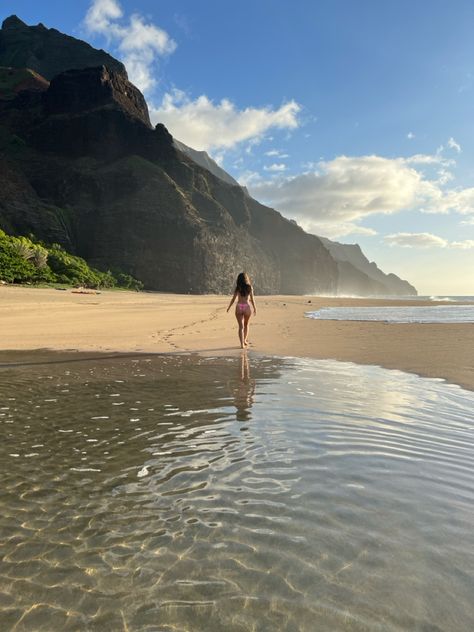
column 101, row 14
column 334, row 229
column 276, row 153
column 410, row 135
column 425, row 240
column 458, row 200
column 415, row 240
column 362, row 230
column 429, row 159
column 347, row 189
column 444, row 176
column 276, row 167
column 335, row 196
column 139, row 43
column 452, row 144
column 205, row 125
column 249, row 178
column 463, row 245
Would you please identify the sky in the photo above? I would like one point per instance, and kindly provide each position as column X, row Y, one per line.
column 353, row 117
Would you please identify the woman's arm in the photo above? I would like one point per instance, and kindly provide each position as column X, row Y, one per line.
column 232, row 300
column 252, row 300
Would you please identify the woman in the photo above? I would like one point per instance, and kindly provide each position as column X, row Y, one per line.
column 243, row 293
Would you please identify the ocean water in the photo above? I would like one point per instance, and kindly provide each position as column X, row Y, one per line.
column 449, row 299
column 246, row 493
column 397, row 314
column 410, row 297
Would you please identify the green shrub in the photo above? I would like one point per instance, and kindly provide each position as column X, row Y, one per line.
column 127, row 281
column 24, row 260
column 72, row 269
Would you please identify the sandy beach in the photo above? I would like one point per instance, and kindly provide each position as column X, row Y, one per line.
column 111, row 321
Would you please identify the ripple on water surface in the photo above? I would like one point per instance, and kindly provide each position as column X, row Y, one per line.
column 249, row 493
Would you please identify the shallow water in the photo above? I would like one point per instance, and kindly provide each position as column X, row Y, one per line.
column 248, row 493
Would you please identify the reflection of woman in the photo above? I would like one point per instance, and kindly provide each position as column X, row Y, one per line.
column 243, row 293
column 244, row 391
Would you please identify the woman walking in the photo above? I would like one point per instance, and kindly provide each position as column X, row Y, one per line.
column 243, row 293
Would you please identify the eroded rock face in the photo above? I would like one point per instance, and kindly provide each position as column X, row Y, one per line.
column 76, row 91
column 120, row 194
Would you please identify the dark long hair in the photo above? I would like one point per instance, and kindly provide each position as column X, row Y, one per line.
column 243, row 285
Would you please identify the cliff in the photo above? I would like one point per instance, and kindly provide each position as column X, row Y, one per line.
column 83, row 167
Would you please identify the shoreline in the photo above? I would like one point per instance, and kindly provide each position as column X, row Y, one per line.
column 109, row 323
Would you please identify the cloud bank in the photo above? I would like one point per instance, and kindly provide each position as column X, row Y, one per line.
column 336, row 195
column 205, row 125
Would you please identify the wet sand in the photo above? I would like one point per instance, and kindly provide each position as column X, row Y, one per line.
column 153, row 322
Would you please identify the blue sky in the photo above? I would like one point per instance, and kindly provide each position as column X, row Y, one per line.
column 354, row 117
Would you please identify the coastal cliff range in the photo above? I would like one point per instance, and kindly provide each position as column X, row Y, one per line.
column 81, row 165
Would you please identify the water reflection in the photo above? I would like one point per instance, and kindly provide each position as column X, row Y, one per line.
column 159, row 493
column 244, row 390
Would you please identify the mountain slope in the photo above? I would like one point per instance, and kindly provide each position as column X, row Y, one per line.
column 117, row 192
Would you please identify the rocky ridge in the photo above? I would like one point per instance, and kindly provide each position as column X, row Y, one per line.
column 48, row 51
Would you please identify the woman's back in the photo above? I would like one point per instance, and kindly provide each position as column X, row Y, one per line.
column 243, row 289
column 243, row 297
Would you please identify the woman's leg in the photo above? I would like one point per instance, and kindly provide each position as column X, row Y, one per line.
column 246, row 326
column 240, row 320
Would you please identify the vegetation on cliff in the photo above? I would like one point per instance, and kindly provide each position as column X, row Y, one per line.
column 23, row 260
